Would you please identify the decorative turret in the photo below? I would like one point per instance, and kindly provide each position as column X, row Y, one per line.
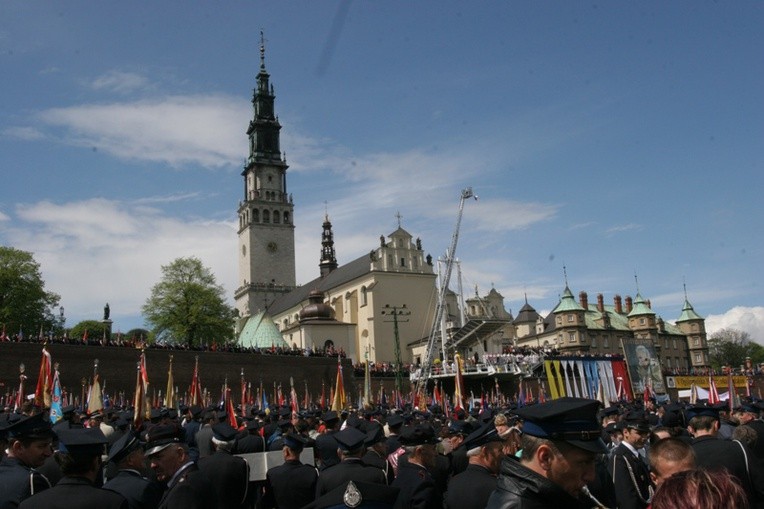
column 328, row 259
column 266, row 226
column 693, row 326
column 316, row 309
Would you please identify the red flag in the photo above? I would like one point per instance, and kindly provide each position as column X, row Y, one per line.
column 713, row 394
column 85, row 337
column 243, row 395
column 42, row 394
column 230, row 410
column 338, row 401
column 196, row 389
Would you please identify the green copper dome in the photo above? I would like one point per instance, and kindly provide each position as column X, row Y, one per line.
column 261, row 332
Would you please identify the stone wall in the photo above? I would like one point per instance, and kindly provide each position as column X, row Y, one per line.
column 117, row 368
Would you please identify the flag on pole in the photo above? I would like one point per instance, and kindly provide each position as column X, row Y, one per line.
column 42, row 394
column 95, row 398
column 294, row 403
column 521, row 396
column 230, row 410
column 733, row 399
column 693, row 394
column 55, row 401
column 542, row 393
column 169, row 394
column 601, row 396
column 196, row 388
column 713, row 394
column 338, row 403
column 367, row 384
column 458, row 384
column 144, row 375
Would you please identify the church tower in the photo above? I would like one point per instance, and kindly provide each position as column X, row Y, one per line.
column 266, row 229
column 328, row 258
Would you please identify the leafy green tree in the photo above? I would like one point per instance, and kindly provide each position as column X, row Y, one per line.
column 94, row 328
column 730, row 347
column 188, row 306
column 24, row 302
column 138, row 334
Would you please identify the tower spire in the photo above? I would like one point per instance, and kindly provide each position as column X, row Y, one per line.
column 328, row 259
column 262, row 50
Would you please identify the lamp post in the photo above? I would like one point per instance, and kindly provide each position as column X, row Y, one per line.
column 396, row 312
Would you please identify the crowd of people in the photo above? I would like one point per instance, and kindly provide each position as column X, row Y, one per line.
column 568, row 452
column 141, row 342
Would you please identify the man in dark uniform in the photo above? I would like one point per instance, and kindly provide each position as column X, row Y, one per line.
column 192, row 426
column 471, row 488
column 747, row 414
column 203, row 437
column 631, row 477
column 358, row 495
column 252, row 441
column 561, row 441
column 168, row 457
column 376, row 450
column 229, row 474
column 29, row 445
column 292, row 484
column 326, row 445
column 79, row 455
column 394, row 423
column 711, row 452
column 418, row 489
column 350, row 448
column 130, row 481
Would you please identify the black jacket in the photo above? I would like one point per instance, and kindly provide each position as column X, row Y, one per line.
column 230, row 477
column 289, row 486
column 350, row 469
column 139, row 492
column 75, row 492
column 18, row 482
column 519, row 487
column 191, row 490
column 631, row 478
column 418, row 490
column 470, row 489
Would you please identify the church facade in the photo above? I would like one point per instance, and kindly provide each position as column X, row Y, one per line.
column 381, row 305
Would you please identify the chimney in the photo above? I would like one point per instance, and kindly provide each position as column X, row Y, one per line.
column 649, row 305
column 600, row 303
column 584, row 300
column 618, row 305
column 629, row 304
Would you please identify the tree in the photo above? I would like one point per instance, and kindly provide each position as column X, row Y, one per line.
column 188, row 306
column 730, row 347
column 24, row 302
column 94, row 328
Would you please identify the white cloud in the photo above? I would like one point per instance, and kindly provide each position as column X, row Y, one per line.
column 747, row 319
column 120, row 82
column 4, row 217
column 176, row 130
column 23, row 133
column 623, row 228
column 98, row 251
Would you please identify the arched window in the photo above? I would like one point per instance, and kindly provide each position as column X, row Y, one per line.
column 276, row 217
column 255, row 215
column 266, row 216
column 364, row 296
column 286, row 217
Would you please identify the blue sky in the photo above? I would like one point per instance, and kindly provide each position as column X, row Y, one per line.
column 612, row 138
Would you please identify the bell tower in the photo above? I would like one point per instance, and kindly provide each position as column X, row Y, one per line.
column 266, row 228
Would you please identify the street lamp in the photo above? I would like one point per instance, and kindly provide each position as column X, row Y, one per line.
column 396, row 312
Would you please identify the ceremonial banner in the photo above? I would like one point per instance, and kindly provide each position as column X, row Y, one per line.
column 548, row 367
column 643, row 364
column 561, row 385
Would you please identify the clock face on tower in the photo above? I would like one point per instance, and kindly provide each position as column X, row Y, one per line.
column 272, row 247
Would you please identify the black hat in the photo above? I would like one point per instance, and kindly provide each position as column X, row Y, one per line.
column 253, row 425
column 161, row 436
column 223, row 432
column 748, row 407
column 374, row 434
column 485, row 415
column 612, row 427
column 34, row 427
column 330, row 418
column 128, row 443
column 636, row 420
column 463, row 428
column 350, row 439
column 196, row 411
column 68, row 409
column 394, row 421
column 485, row 434
column 701, row 411
column 420, row 434
column 295, row 441
column 82, row 441
column 573, row 420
